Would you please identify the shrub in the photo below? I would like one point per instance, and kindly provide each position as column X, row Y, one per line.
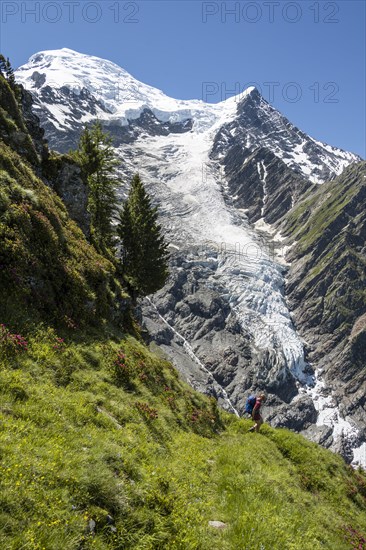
column 11, row 344
column 149, row 413
column 122, row 368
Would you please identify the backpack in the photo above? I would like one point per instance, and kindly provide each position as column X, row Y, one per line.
column 250, row 404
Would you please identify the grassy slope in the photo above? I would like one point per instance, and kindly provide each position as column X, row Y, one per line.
column 13, row 129
column 84, row 438
column 322, row 204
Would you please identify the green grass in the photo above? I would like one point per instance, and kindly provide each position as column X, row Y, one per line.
column 321, row 206
column 102, row 446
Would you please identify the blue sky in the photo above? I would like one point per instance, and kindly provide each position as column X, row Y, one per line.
column 306, row 57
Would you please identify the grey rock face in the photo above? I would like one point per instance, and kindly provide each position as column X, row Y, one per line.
column 298, row 416
column 146, row 123
column 39, row 79
column 260, row 152
column 70, row 186
column 258, row 124
column 261, row 183
column 197, row 312
column 64, row 137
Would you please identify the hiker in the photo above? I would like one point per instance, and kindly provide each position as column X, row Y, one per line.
column 256, row 415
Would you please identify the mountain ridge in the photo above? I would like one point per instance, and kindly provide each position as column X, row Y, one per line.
column 124, row 98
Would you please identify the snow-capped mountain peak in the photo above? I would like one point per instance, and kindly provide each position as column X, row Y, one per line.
column 119, row 95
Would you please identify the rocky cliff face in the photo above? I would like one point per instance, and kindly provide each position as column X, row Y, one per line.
column 64, row 175
column 193, row 314
column 60, row 172
column 258, row 125
column 260, row 183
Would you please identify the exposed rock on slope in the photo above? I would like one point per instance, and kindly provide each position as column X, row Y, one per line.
column 65, row 176
column 261, row 183
column 326, row 286
column 258, row 124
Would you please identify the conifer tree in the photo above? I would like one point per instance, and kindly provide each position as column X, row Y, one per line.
column 2, row 65
column 97, row 159
column 9, row 73
column 6, row 70
column 144, row 250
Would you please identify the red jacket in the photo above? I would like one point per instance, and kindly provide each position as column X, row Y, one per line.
column 256, row 409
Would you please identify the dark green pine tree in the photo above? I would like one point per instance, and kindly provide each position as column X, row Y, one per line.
column 9, row 72
column 97, row 159
column 144, row 250
column 2, row 65
column 6, row 70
